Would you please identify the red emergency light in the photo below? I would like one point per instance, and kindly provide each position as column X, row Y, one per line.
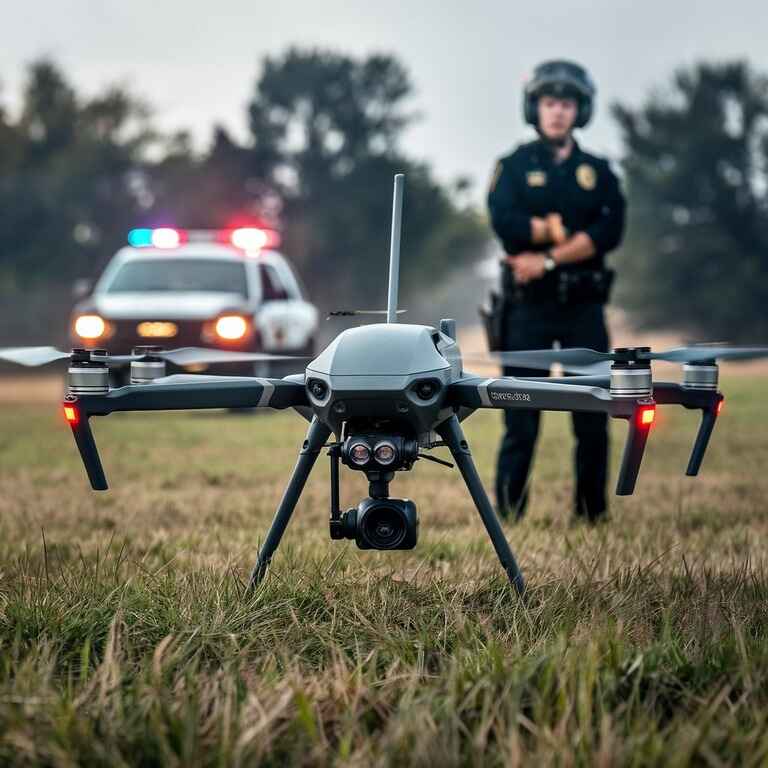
column 250, row 239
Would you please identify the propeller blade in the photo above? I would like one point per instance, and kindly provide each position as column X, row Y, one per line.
column 703, row 352
column 31, row 356
column 576, row 360
column 589, row 361
column 575, row 357
column 200, row 355
column 116, row 361
column 596, row 369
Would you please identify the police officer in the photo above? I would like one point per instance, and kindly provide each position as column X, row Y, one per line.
column 558, row 211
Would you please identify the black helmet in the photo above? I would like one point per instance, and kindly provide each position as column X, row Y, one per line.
column 559, row 78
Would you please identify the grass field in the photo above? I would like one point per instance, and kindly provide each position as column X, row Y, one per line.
column 126, row 637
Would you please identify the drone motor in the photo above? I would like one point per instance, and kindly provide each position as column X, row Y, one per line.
column 86, row 375
column 701, row 375
column 631, row 377
column 149, row 368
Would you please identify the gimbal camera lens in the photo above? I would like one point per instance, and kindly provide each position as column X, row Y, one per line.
column 384, row 527
column 382, row 524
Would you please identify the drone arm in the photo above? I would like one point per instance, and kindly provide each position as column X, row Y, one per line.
column 180, row 392
column 541, row 395
column 533, row 394
column 186, row 392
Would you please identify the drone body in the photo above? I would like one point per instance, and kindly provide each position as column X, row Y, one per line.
column 388, row 373
column 390, row 393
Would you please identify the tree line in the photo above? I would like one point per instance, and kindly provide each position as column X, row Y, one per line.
column 696, row 171
column 323, row 143
column 324, row 128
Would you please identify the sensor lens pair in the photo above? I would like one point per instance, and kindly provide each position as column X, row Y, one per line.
column 384, row 453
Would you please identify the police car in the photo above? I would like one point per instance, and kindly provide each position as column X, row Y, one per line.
column 226, row 289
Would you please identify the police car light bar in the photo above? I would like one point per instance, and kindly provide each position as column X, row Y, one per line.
column 250, row 239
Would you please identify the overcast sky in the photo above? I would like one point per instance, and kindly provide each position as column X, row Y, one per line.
column 196, row 62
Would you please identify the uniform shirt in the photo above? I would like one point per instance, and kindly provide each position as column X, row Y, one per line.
column 582, row 189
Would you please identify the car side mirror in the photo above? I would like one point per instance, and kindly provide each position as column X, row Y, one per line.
column 81, row 288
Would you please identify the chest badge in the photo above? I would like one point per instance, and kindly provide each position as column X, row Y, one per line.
column 536, row 178
column 586, row 176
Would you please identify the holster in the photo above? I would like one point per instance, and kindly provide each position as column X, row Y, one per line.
column 495, row 312
column 493, row 315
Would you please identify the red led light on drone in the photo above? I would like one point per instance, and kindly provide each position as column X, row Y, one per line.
column 71, row 414
column 646, row 415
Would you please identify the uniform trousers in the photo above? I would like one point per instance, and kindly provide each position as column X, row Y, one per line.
column 538, row 325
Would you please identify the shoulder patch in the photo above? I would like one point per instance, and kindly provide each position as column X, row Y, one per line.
column 495, row 178
column 586, row 176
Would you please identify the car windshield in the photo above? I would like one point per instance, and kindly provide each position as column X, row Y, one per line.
column 187, row 275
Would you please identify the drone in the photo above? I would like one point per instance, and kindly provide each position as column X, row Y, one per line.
column 389, row 393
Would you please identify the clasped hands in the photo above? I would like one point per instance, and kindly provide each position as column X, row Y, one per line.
column 529, row 265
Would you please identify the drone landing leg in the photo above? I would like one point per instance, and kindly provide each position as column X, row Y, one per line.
column 453, row 435
column 316, row 436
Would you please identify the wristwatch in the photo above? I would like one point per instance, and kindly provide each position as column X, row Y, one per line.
column 549, row 261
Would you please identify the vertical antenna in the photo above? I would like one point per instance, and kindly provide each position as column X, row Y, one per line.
column 394, row 248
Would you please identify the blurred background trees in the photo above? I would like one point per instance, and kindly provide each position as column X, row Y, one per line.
column 66, row 179
column 76, row 174
column 325, row 130
column 323, row 143
column 696, row 165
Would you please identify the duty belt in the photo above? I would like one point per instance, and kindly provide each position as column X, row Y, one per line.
column 578, row 286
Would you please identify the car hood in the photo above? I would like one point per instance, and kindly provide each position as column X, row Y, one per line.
column 166, row 305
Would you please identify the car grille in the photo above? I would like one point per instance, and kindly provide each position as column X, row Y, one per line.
column 126, row 335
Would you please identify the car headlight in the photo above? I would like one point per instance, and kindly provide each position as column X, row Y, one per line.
column 231, row 327
column 90, row 327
